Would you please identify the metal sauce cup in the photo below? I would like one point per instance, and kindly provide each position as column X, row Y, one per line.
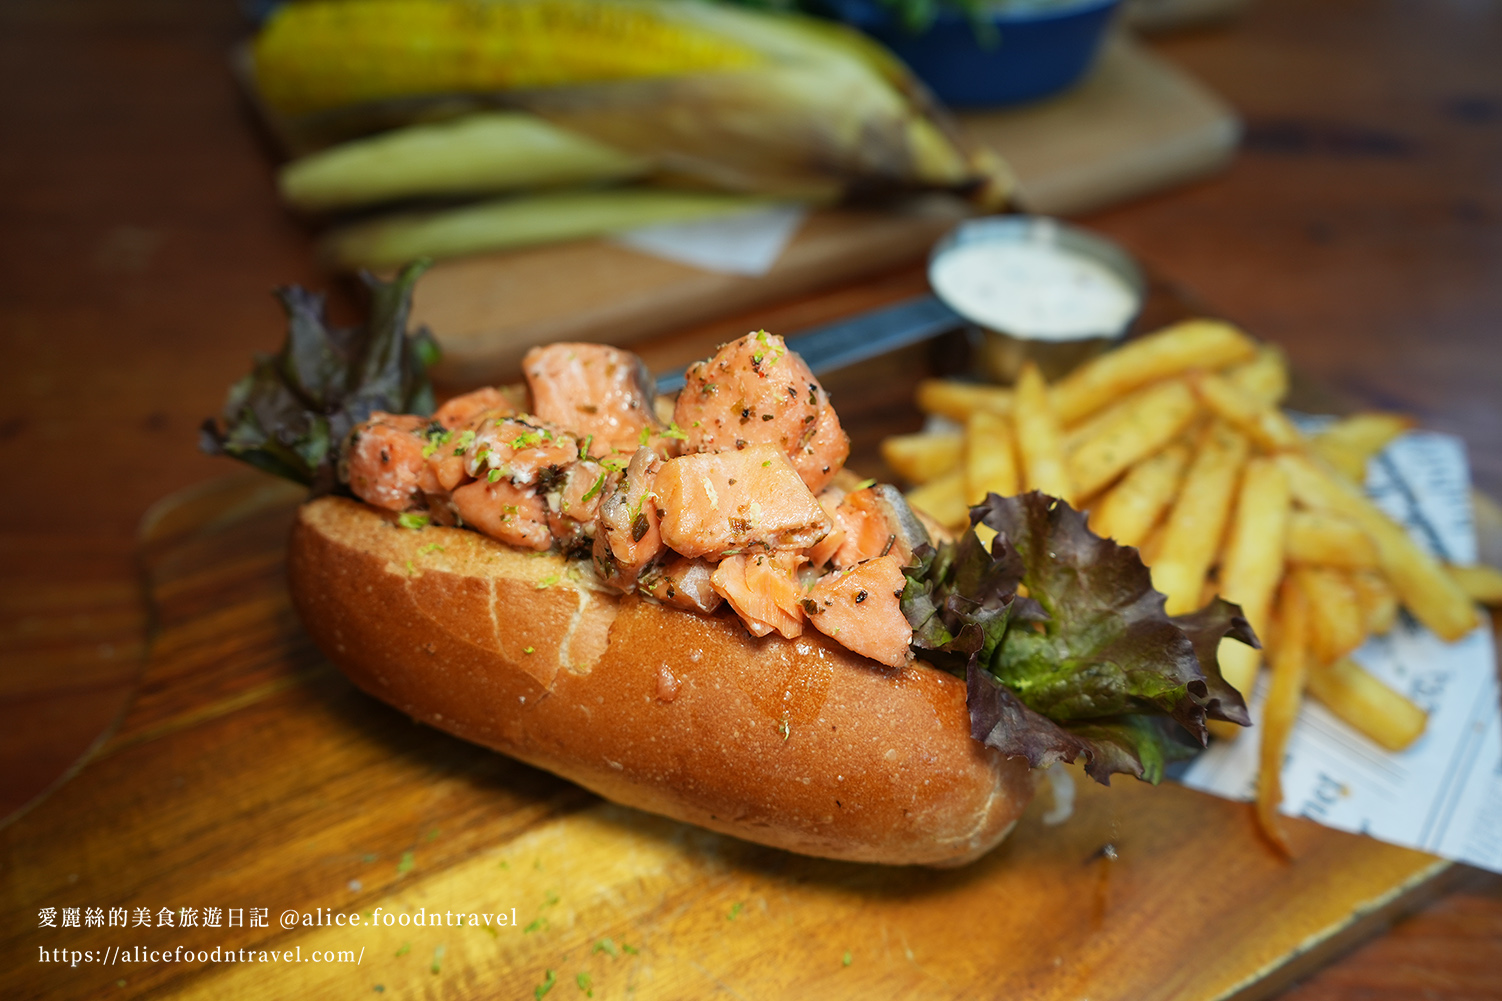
column 1001, row 353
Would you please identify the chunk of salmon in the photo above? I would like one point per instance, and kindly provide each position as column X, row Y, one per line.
column 573, row 502
column 466, row 410
column 527, row 453
column 755, row 391
column 592, row 390
column 627, row 537
column 763, row 589
column 505, row 511
column 683, row 583
column 870, row 522
column 714, row 503
column 384, row 462
column 859, row 608
column 823, row 551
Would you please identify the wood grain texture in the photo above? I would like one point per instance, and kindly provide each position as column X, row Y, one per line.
column 1359, row 227
column 250, row 774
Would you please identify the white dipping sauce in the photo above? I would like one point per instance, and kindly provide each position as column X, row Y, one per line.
column 1033, row 290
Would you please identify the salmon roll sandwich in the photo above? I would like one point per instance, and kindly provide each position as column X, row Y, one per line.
column 690, row 606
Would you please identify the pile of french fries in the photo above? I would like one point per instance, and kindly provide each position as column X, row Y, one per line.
column 1175, row 444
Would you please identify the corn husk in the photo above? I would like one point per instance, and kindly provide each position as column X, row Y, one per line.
column 512, row 223
column 479, row 154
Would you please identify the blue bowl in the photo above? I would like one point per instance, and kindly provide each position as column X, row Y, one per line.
column 1036, row 52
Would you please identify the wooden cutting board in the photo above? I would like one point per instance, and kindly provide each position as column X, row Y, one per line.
column 248, row 774
column 1135, row 125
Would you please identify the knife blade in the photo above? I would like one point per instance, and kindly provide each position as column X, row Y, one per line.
column 864, row 335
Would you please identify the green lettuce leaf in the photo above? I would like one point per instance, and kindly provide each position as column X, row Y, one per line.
column 1088, row 665
column 289, row 415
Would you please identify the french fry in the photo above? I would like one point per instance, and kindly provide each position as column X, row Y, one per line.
column 1192, row 534
column 1265, row 376
column 920, row 457
column 1262, row 422
column 1336, row 625
column 943, row 499
column 1207, row 344
column 1421, row 583
column 1327, row 539
column 1379, row 603
column 1153, row 419
column 1479, row 581
column 1133, row 506
column 958, row 400
column 1039, row 441
column 1251, row 567
column 1357, row 697
column 990, row 458
column 1350, row 443
column 1290, row 660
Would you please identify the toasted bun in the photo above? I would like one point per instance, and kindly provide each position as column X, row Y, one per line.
column 798, row 744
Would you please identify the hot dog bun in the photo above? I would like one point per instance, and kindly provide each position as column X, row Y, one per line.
column 799, row 744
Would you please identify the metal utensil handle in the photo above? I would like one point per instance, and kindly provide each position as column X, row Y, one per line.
column 862, row 336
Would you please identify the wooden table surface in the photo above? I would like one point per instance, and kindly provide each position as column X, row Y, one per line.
column 1360, row 228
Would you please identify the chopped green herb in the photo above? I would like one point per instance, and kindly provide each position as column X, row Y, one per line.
column 594, row 490
column 412, row 519
column 492, row 932
column 644, row 437
column 848, row 958
column 379, row 988
column 674, row 431
column 525, row 440
column 548, row 980
column 735, row 911
column 431, row 547
column 406, row 948
column 494, row 475
column 437, row 964
column 504, row 864
column 405, row 864
column 525, row 650
column 586, row 984
column 863, row 484
column 465, row 440
column 629, row 948
column 433, row 834
column 550, row 898
column 608, row 947
column 589, row 440
column 547, row 582
column 410, row 568
column 784, row 728
column 537, row 925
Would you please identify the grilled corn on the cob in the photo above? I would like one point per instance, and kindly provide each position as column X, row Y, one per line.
column 477, row 154
column 739, row 99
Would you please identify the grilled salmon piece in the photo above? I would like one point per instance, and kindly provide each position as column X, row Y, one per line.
column 464, row 411
column 527, row 453
column 716, row 503
column 502, row 510
column 384, row 463
column 627, row 537
column 755, row 391
column 592, row 390
column 683, row 583
column 859, row 608
column 763, row 589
